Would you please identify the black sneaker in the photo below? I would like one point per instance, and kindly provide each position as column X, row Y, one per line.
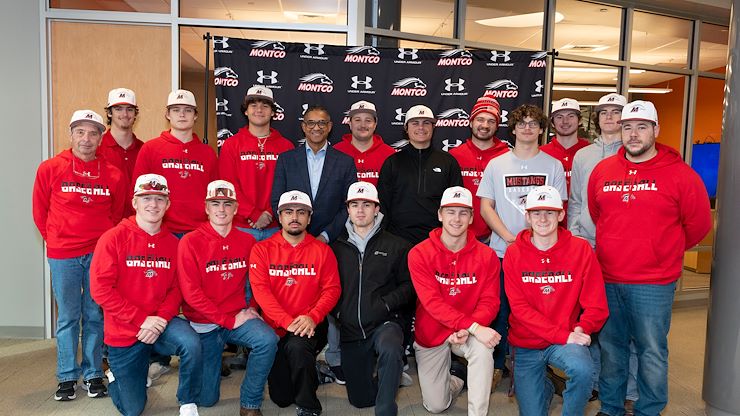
column 324, row 372
column 66, row 391
column 338, row 375
column 95, row 388
column 302, row 411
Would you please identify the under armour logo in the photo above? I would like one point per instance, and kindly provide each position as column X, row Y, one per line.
column 252, row 266
column 566, row 158
column 222, row 105
column 458, row 85
column 504, row 116
column 357, row 82
column 403, row 53
column 632, row 172
column 319, row 49
column 223, row 41
column 447, row 144
column 546, row 259
column 400, row 114
column 538, row 86
column 224, row 247
column 496, row 54
column 261, row 77
column 185, row 150
column 360, row 161
column 151, row 245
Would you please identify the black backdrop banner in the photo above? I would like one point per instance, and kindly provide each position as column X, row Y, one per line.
column 448, row 81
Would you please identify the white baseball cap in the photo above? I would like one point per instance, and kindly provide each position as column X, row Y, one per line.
column 419, row 111
column 118, row 96
column 184, row 97
column 90, row 116
column 151, row 184
column 220, row 190
column 457, row 196
column 565, row 104
column 362, row 191
column 544, row 197
column 259, row 92
column 640, row 110
column 363, row 107
column 611, row 99
column 294, row 198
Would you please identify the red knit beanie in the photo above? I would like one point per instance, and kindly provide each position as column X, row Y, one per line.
column 486, row 104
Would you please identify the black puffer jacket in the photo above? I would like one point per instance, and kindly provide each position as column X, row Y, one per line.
column 376, row 286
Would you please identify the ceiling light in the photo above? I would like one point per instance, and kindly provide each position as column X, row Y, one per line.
column 308, row 15
column 594, row 70
column 519, row 20
column 605, row 88
column 584, row 48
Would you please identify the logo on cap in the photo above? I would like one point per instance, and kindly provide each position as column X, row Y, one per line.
column 294, row 198
column 635, row 109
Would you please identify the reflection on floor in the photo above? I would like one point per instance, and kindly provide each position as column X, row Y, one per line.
column 27, row 383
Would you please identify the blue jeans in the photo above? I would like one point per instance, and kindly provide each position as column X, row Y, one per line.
column 534, row 390
column 260, row 235
column 254, row 334
column 641, row 313
column 70, row 281
column 130, row 365
column 501, row 325
column 595, row 351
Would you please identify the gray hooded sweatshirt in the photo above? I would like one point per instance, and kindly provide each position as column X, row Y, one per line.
column 579, row 218
column 356, row 239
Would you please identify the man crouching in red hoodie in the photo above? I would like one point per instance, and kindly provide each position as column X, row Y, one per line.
column 456, row 280
column 557, row 300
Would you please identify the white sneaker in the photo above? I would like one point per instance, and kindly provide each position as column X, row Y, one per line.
column 406, row 380
column 109, row 375
column 189, row 409
column 156, row 370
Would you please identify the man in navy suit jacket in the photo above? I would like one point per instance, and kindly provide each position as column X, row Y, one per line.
column 320, row 171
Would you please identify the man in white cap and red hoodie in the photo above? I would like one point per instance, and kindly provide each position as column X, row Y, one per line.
column 557, row 300
column 649, row 207
column 188, row 164
column 565, row 117
column 134, row 279
column 474, row 155
column 213, row 261
column 456, row 281
column 120, row 145
column 362, row 144
column 248, row 160
column 77, row 196
column 295, row 281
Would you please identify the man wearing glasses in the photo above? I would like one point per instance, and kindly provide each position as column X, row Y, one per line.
column 77, row 196
column 319, row 171
column 295, row 281
column 503, row 191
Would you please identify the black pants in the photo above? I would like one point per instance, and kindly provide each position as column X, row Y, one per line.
column 293, row 377
column 385, row 345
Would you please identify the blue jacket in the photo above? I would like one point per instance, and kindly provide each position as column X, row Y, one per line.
column 329, row 209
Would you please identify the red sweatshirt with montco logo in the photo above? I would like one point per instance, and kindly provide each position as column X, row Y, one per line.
column 213, row 274
column 646, row 214
column 290, row 281
column 552, row 291
column 188, row 168
column 252, row 171
column 75, row 202
column 454, row 289
column 473, row 162
column 132, row 276
column 369, row 162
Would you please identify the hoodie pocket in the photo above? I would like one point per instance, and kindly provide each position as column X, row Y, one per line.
column 626, row 256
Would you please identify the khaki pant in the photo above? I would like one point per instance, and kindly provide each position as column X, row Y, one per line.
column 439, row 388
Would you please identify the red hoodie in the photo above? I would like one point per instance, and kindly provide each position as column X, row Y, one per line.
column 646, row 214
column 565, row 156
column 553, row 291
column 188, row 168
column 123, row 159
column 290, row 281
column 132, row 276
column 369, row 162
column 75, row 202
column 454, row 289
column 252, row 171
column 473, row 162
column 213, row 274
